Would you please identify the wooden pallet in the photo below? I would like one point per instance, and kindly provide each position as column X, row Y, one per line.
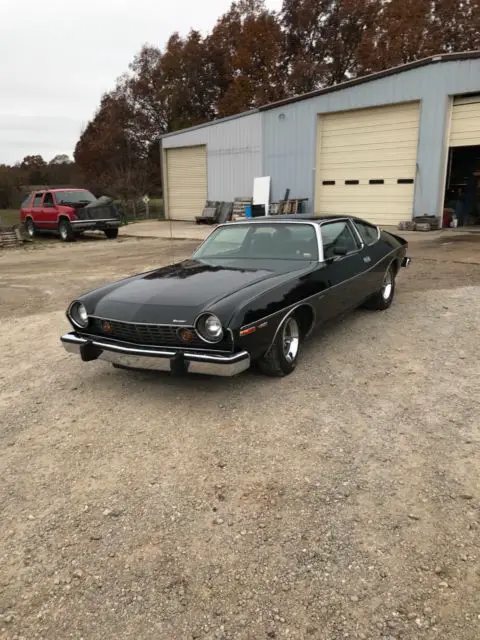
column 285, row 207
column 10, row 237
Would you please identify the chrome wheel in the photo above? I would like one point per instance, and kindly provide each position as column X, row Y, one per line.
column 63, row 231
column 30, row 229
column 387, row 285
column 291, row 340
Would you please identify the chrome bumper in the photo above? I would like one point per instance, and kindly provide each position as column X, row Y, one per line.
column 156, row 359
column 109, row 223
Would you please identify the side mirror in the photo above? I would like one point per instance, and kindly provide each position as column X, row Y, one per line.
column 340, row 250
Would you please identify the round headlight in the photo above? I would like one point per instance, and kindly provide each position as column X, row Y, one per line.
column 209, row 328
column 79, row 315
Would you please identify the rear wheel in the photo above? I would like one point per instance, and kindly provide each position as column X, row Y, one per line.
column 65, row 230
column 30, row 228
column 384, row 297
column 111, row 233
column 281, row 359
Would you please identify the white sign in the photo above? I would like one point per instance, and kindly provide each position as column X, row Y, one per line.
column 261, row 192
column 145, row 199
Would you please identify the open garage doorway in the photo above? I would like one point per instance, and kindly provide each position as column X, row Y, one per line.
column 462, row 194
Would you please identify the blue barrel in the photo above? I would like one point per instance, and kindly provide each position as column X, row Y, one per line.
column 248, row 211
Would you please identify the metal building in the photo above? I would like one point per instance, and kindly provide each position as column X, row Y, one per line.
column 386, row 147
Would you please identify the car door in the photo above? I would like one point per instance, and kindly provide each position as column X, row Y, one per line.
column 37, row 211
column 49, row 211
column 346, row 265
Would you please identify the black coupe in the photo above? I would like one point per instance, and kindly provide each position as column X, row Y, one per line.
column 251, row 293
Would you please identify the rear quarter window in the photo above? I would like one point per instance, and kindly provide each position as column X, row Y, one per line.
column 368, row 232
column 26, row 203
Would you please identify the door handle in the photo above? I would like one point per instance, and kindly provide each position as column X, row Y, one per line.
column 367, row 259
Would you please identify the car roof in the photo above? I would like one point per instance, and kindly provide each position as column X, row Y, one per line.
column 307, row 217
column 58, row 189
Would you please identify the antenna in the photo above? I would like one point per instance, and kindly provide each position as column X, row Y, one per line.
column 171, row 238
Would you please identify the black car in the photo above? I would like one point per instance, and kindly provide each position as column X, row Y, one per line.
column 251, row 293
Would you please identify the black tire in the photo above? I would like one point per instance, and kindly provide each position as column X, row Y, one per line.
column 384, row 296
column 65, row 230
column 30, row 228
column 111, row 233
column 277, row 361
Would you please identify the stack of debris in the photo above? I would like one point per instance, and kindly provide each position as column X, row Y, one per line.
column 10, row 237
column 292, row 205
column 422, row 223
column 240, row 205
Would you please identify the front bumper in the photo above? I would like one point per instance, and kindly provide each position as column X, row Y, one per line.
column 156, row 359
column 90, row 225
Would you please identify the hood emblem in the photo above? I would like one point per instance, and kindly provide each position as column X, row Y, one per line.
column 107, row 327
column 179, row 321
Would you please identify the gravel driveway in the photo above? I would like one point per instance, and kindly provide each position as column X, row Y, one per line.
column 340, row 502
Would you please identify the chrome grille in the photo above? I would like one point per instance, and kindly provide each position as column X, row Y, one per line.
column 152, row 334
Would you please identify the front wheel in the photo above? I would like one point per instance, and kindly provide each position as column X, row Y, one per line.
column 281, row 359
column 111, row 233
column 65, row 230
column 384, row 296
column 30, row 228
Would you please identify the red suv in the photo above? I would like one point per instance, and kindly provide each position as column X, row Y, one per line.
column 70, row 212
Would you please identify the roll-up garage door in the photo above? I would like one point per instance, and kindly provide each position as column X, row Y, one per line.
column 366, row 163
column 187, row 182
column 465, row 124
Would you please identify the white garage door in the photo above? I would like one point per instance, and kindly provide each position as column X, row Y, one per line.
column 465, row 125
column 366, row 163
column 187, row 182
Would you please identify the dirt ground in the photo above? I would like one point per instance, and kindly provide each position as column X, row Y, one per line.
column 342, row 501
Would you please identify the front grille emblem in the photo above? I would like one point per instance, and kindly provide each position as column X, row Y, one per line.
column 186, row 335
column 107, row 327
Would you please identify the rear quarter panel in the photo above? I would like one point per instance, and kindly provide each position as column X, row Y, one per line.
column 389, row 249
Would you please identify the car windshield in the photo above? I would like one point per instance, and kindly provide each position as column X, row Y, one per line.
column 277, row 241
column 75, row 197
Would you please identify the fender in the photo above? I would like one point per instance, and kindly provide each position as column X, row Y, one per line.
column 288, row 315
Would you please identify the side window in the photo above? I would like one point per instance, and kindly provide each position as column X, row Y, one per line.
column 26, row 203
column 37, row 201
column 336, row 235
column 48, row 200
column 368, row 232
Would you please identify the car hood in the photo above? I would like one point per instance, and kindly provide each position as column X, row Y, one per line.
column 176, row 294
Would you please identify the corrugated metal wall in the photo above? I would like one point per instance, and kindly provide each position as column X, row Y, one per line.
column 289, row 133
column 234, row 154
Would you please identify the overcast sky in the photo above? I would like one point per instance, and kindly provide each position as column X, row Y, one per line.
column 59, row 57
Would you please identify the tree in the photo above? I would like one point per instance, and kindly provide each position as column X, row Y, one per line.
column 110, row 154
column 456, row 25
column 409, row 30
column 187, row 81
column 245, row 50
column 322, row 39
column 61, row 158
column 34, row 168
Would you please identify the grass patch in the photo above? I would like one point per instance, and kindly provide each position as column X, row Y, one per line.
column 9, row 217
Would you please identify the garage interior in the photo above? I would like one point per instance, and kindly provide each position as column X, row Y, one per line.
column 462, row 193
